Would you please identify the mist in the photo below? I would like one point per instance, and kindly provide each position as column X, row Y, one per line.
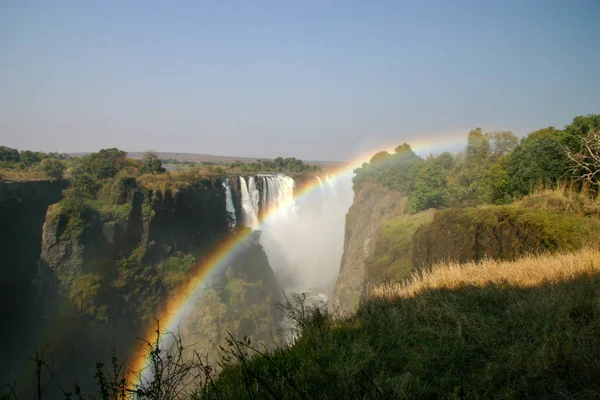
column 304, row 241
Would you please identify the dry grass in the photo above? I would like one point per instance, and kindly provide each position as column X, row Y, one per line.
column 563, row 198
column 529, row 271
column 22, row 175
column 173, row 180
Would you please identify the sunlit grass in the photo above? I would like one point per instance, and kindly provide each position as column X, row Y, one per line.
column 528, row 271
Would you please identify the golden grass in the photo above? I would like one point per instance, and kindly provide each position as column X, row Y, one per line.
column 563, row 198
column 173, row 180
column 528, row 271
column 22, row 175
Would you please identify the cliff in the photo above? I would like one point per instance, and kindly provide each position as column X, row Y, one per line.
column 499, row 232
column 384, row 245
column 109, row 265
column 372, row 204
column 23, row 208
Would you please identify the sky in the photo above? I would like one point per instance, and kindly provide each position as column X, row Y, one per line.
column 313, row 79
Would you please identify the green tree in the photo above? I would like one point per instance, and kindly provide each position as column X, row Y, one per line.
column 152, row 163
column 430, row 185
column 83, row 185
column 380, row 157
column 29, row 157
column 541, row 159
column 478, row 146
column 106, row 163
column 8, row 154
column 53, row 168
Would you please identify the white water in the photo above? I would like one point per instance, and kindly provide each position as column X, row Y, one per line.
column 229, row 203
column 303, row 238
column 249, row 208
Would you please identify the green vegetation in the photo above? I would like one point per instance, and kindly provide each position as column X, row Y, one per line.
column 152, row 163
column 391, row 260
column 497, row 340
column 289, row 165
column 495, row 167
column 500, row 232
column 27, row 165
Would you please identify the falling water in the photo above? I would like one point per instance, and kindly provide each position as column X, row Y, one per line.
column 249, row 202
column 229, row 203
column 303, row 240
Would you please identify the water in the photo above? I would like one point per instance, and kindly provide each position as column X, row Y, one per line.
column 229, row 203
column 249, row 208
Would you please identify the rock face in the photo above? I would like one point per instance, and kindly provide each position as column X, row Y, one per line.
column 372, row 204
column 23, row 208
column 501, row 232
column 79, row 239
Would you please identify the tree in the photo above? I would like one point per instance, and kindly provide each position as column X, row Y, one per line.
column 106, row 163
column 585, row 164
column 380, row 157
column 152, row 163
column 430, row 185
column 29, row 157
column 478, row 145
column 502, row 143
column 541, row 159
column 579, row 129
column 53, row 168
column 8, row 154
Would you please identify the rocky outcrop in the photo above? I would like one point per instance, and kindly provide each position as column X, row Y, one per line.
column 372, row 204
column 80, row 239
column 501, row 232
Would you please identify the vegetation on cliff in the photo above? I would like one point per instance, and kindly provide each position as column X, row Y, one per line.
column 495, row 167
column 26, row 165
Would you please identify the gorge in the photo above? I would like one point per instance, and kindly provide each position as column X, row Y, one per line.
column 106, row 269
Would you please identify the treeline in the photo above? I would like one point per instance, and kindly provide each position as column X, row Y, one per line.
column 279, row 164
column 494, row 168
column 50, row 164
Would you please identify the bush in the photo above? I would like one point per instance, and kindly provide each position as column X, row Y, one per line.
column 53, row 168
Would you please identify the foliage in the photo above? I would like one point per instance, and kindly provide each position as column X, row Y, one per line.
column 396, row 171
column 78, row 214
column 391, row 259
column 104, row 164
column 176, row 269
column 430, row 185
column 152, row 163
column 494, row 168
column 53, row 168
column 8, row 154
column 28, row 157
column 541, row 159
column 84, row 295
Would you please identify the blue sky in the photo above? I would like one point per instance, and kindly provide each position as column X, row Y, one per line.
column 318, row 80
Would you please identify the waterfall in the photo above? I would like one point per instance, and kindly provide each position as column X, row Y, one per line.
column 279, row 195
column 249, row 202
column 229, row 203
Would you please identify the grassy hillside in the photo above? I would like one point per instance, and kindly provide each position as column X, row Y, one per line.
column 522, row 329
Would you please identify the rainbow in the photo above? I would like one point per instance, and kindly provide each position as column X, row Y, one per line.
column 223, row 253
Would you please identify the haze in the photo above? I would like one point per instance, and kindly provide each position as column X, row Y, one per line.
column 311, row 79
